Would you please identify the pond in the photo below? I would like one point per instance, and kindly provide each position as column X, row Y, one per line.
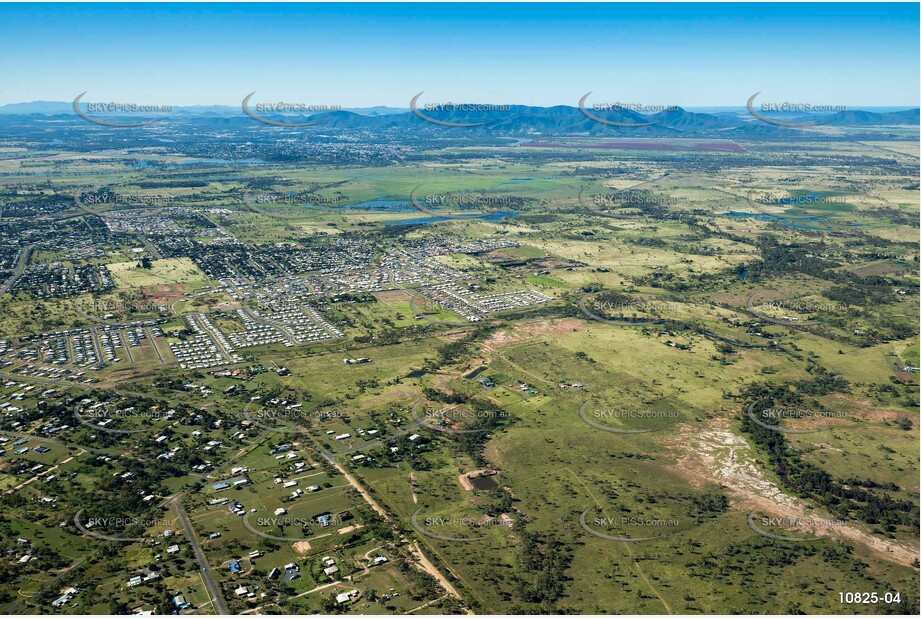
column 484, row 482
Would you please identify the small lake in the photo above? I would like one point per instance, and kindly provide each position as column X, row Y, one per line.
column 476, row 372
column 775, row 219
column 484, row 482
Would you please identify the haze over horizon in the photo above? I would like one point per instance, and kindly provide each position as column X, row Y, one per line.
column 690, row 56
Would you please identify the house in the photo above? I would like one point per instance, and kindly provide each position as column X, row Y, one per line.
column 292, row 571
column 274, row 573
column 235, row 567
column 346, row 597
column 378, row 560
column 63, row 600
column 172, row 549
column 280, row 511
column 180, row 602
column 60, row 601
column 137, row 580
column 330, row 571
column 220, row 486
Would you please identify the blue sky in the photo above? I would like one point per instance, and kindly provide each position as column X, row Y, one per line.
column 538, row 54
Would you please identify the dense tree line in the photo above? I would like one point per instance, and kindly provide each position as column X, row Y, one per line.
column 844, row 499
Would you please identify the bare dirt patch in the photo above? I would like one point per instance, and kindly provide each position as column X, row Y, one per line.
column 721, row 456
column 230, row 305
column 392, row 296
column 348, row 529
column 859, row 408
column 525, row 331
column 301, row 547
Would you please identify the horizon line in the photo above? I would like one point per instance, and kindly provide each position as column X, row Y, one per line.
column 741, row 105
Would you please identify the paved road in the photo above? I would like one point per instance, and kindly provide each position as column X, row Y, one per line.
column 21, row 262
column 214, row 591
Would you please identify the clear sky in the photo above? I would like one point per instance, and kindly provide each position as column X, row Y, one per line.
column 358, row 55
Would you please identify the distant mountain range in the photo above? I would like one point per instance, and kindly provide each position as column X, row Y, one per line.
column 513, row 119
column 66, row 107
